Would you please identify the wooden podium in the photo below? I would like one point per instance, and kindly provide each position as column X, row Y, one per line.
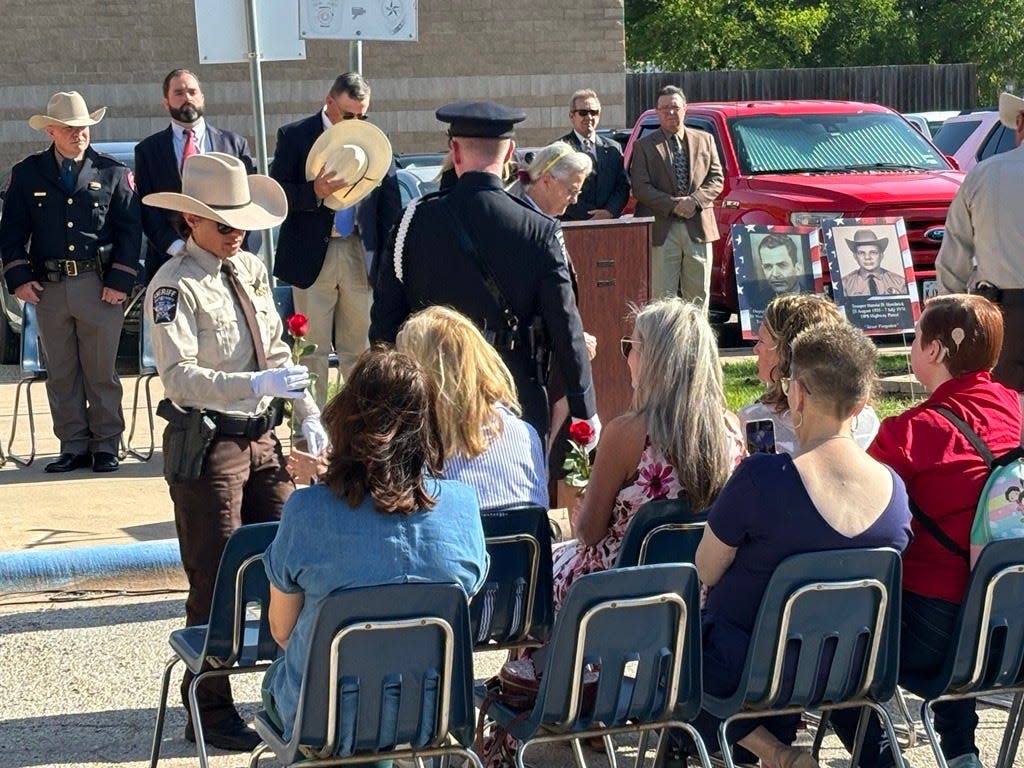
column 612, row 261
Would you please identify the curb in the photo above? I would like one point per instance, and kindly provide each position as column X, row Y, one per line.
column 51, row 569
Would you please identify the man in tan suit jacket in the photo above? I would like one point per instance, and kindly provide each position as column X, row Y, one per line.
column 676, row 176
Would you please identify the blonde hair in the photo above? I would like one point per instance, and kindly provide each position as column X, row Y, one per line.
column 679, row 393
column 468, row 375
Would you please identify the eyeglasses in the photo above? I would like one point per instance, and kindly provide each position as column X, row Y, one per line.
column 671, row 110
column 226, row 229
column 351, row 116
column 626, row 345
column 571, row 192
column 588, row 112
column 786, row 382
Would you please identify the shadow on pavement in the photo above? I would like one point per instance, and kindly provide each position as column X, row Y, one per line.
column 34, row 473
column 49, row 619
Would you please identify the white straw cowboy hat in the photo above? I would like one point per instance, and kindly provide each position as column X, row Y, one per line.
column 355, row 151
column 68, row 110
column 1009, row 107
column 216, row 186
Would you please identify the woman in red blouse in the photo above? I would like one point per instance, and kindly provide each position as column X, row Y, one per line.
column 955, row 348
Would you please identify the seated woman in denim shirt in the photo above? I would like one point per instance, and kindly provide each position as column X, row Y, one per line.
column 379, row 516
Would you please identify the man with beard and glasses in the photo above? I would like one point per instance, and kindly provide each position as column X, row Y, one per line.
column 159, row 159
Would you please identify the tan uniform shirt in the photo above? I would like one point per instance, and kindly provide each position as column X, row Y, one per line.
column 202, row 345
column 984, row 238
column 886, row 283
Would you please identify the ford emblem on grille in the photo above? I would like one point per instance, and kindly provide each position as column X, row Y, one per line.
column 935, row 233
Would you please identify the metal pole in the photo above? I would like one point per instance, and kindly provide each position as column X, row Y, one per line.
column 256, row 76
column 355, row 56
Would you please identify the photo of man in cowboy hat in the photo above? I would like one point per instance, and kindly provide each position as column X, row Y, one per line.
column 217, row 342
column 70, row 238
column 869, row 279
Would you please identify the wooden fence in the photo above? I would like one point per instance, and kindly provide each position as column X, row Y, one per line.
column 904, row 87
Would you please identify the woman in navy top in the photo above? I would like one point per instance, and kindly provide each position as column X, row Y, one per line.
column 777, row 505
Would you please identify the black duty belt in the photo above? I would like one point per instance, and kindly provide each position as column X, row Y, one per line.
column 251, row 427
column 996, row 295
column 71, row 267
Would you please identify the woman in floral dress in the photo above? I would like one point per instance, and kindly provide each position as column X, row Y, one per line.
column 677, row 440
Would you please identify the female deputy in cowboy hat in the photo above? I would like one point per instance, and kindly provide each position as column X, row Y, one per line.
column 217, row 343
column 70, row 239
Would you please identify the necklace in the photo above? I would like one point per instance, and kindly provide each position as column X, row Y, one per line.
column 821, row 441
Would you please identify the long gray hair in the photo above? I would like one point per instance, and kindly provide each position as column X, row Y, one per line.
column 680, row 395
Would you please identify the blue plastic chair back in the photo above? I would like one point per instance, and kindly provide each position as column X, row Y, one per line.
column 242, row 588
column 147, row 362
column 515, row 605
column 397, row 662
column 32, row 365
column 827, row 632
column 641, row 626
column 662, row 531
column 988, row 652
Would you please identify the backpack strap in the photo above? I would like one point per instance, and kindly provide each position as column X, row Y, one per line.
column 986, row 455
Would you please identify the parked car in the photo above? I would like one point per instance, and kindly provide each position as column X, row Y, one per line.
column 419, row 159
column 972, row 136
column 933, row 119
column 801, row 162
column 416, row 181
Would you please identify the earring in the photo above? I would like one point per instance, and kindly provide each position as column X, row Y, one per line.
column 794, row 415
column 855, row 423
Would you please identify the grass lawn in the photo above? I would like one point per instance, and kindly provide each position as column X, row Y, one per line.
column 742, row 386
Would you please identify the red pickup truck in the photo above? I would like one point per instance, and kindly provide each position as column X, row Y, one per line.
column 799, row 162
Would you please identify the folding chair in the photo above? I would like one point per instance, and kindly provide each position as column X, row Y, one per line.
column 389, row 675
column 33, row 369
column 987, row 654
column 662, row 531
column 514, row 608
column 639, row 628
column 147, row 372
column 826, row 637
column 234, row 642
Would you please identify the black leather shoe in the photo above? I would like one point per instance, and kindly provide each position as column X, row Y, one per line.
column 231, row 735
column 104, row 462
column 69, row 461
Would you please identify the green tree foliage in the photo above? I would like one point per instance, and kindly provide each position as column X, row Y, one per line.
column 754, row 34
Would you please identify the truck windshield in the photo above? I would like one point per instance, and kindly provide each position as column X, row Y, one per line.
column 831, row 144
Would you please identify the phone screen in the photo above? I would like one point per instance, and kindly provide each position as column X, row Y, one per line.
column 761, row 436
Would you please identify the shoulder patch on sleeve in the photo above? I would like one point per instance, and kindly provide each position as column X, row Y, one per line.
column 165, row 305
column 561, row 244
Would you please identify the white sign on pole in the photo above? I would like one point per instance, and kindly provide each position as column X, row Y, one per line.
column 358, row 19
column 220, row 27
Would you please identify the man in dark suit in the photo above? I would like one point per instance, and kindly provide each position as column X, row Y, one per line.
column 159, row 158
column 328, row 268
column 676, row 177
column 496, row 259
column 606, row 190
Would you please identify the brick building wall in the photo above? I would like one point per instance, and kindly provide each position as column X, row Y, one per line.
column 530, row 53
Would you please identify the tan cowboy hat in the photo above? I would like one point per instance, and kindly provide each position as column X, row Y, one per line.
column 216, row 186
column 67, row 109
column 867, row 237
column 356, row 151
column 1009, row 107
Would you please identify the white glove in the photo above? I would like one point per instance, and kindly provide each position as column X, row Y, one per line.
column 316, row 438
column 289, row 383
column 594, row 422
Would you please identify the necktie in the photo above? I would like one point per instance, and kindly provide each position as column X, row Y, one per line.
column 872, row 285
column 248, row 310
column 191, row 146
column 681, row 165
column 345, row 221
column 67, row 175
column 588, row 147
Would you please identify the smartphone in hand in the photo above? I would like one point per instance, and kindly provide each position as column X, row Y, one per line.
column 760, row 436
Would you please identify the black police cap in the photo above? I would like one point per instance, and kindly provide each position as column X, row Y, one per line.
column 481, row 119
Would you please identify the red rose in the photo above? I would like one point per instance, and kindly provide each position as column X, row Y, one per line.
column 581, row 432
column 298, row 325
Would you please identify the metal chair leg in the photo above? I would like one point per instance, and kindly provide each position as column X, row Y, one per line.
column 933, row 737
column 129, row 448
column 257, row 754
column 22, row 461
column 197, row 720
column 577, row 753
column 890, row 731
column 161, row 711
column 1012, row 734
column 609, row 748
